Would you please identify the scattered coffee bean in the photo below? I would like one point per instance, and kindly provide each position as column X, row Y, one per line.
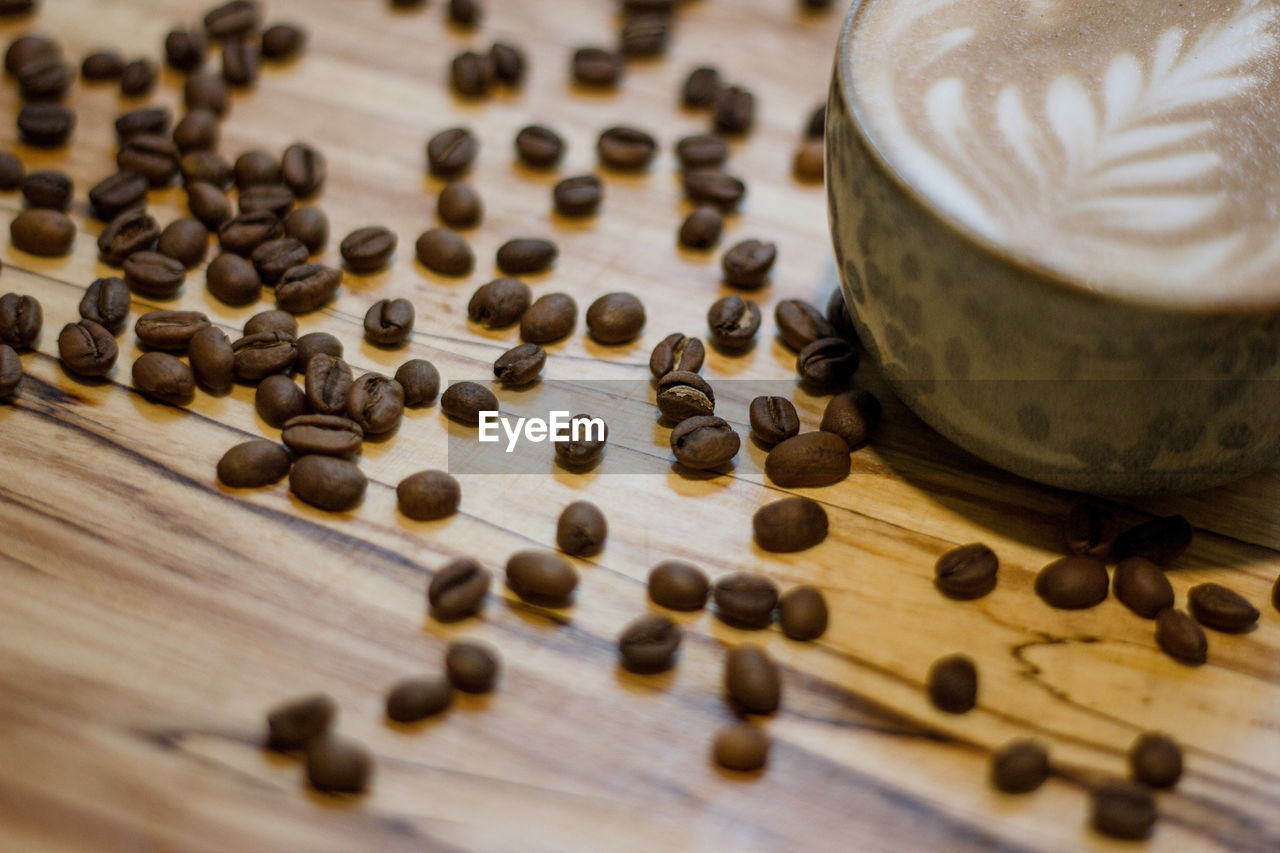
column 704, row 442
column 271, row 321
column 853, row 416
column 550, row 318
column 117, row 193
column 308, row 287
column 677, row 352
column 303, row 170
column 747, row 264
column 164, row 377
column 500, row 303
column 452, row 152
column 184, row 49
column 596, row 67
column 809, row 161
column 752, row 681
column 808, row 459
column 581, row 529
column 316, row 343
column 309, row 226
column 282, row 41
column 48, row 188
column 683, row 395
column 734, row 110
column 520, row 365
column 615, row 318
column 208, row 204
column 802, row 613
column 276, row 199
column 130, row 232
column 585, row 444
column 256, row 168
column 827, row 363
column 526, row 255
column 465, row 13
column 338, row 765
column 278, row 400
column 11, row 171
column 169, row 330
column 247, row 231
column 295, row 723
column 645, row 34
column 701, row 228
column 745, row 599
column 701, row 150
column 458, row 589
column 21, row 319
column 325, row 435
column 701, row 88
column 1142, row 587
column 733, row 322
column 1155, row 760
column 677, row 585
column 44, row 125
column 1020, row 766
column 276, row 257
column 232, row 280
column 1123, row 810
column 420, row 381
column 428, row 495
column 206, row 90
column 649, row 644
column 967, row 572
column 773, row 419
column 253, row 464
column 389, row 322
column 101, row 65
column 444, row 251
column 1180, row 637
column 710, row 186
column 541, row 577
column 790, row 524
column 953, row 684
column 212, row 359
column 45, row 79
column 742, row 746
column 1160, row 540
column 257, row 356
column 472, row 666
column 328, row 381
column 1215, row 606
column 241, row 62
column 626, row 149
column 1073, row 583
column 87, row 349
column 198, row 132
column 327, row 482
column 539, row 147
column 1090, row 529
column 153, row 156
column 368, row 249
column 416, row 699
column 47, row 233
column 459, row 206
column 799, row 323
column 464, row 401
column 27, row 47
column 234, row 18
column 508, row 62
column 149, row 120
column 106, row 302
column 376, row 403
column 185, row 240
column 578, row 197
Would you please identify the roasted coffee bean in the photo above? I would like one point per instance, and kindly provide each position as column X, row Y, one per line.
column 615, row 318
column 701, row 228
column 21, row 318
column 1073, row 583
column 206, row 90
column 416, row 699
column 645, row 35
column 742, row 747
column 596, row 67
column 472, row 666
column 47, row 233
column 952, row 684
column 303, row 169
column 184, row 49
column 87, row 349
column 1180, row 637
column 307, row 287
column 153, row 121
column 388, row 322
column 376, row 403
column 128, row 233
column 649, row 644
column 627, row 149
column 773, row 419
column 465, row 13
column 1215, row 606
column 257, row 356
column 241, row 61
column 701, row 150
column 701, row 88
column 309, row 226
column 212, row 359
column 733, row 322
column 117, row 193
column 683, row 395
column 1142, row 587
column 809, row 459
column 526, row 255
column 106, row 302
column 185, row 240
column 578, row 197
column 585, row 444
column 520, row 365
column 581, row 529
column 853, row 416
column 278, row 400
column 169, row 330
column 539, row 147
column 420, row 381
column 808, row 164
column 233, row 280
column 271, row 321
column 46, row 125
column 508, row 63
column 815, row 127
column 1090, row 529
column 459, row 206
column 256, row 168
column 274, row 258
column 338, row 765
column 752, row 682
column 704, row 442
column 1160, row 540
column 275, row 198
column 153, row 156
column 48, row 188
column 1123, row 810
column 45, row 78
column 444, row 251
column 208, row 204
column 677, row 585
column 500, row 303
column 550, row 318
column 429, row 495
column 464, row 401
column 205, row 165
column 1020, row 766
column 458, row 589
column 295, row 723
column 1155, row 760
column 327, row 482
column 790, row 524
column 827, row 363
column 11, row 171
column 27, row 47
column 734, row 110
column 452, row 152
column 676, row 352
column 282, row 41
column 247, row 231
column 541, row 577
column 802, row 613
column 799, row 323
column 966, row 572
column 328, row 384
column 713, row 187
column 253, row 464
column 747, row 265
column 138, row 77
column 101, row 65
column 838, row 316
column 745, row 599
column 153, row 274
column 164, row 377
column 234, row 18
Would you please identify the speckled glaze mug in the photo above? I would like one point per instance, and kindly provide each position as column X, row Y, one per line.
column 1067, row 269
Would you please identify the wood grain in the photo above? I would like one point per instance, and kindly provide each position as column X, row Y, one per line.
column 148, row 616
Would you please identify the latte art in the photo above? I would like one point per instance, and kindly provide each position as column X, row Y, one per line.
column 1132, row 146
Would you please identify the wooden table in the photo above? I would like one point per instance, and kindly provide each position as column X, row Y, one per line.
column 148, row 616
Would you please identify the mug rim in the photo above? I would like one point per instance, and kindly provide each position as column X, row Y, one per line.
column 1005, row 254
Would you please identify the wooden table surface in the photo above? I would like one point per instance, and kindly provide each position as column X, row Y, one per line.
column 148, row 616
